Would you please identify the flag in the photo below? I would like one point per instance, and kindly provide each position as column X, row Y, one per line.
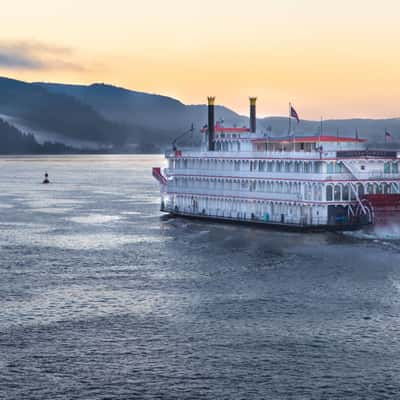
column 293, row 114
column 388, row 135
column 269, row 128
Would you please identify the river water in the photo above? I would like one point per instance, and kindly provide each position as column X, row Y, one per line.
column 101, row 298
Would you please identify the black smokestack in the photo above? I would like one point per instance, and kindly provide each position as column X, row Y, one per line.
column 253, row 114
column 211, row 123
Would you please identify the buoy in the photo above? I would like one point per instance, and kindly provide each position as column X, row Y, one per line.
column 46, row 178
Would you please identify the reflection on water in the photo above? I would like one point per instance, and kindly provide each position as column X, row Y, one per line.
column 102, row 298
column 94, row 219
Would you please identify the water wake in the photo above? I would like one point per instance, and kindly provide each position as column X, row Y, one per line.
column 389, row 232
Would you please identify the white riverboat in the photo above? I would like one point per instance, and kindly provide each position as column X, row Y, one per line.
column 304, row 182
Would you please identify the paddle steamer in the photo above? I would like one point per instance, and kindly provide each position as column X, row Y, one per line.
column 305, row 182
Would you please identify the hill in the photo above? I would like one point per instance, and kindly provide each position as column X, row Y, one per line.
column 13, row 141
column 60, row 115
column 102, row 117
column 147, row 110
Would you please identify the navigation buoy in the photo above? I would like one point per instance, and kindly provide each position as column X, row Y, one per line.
column 46, row 178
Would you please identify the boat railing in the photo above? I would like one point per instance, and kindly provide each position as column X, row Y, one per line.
column 315, row 155
column 335, row 176
column 238, row 193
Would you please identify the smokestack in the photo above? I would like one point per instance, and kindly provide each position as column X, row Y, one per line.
column 253, row 114
column 211, row 123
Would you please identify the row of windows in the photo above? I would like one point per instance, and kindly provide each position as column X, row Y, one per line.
column 265, row 210
column 249, row 166
column 334, row 168
column 286, row 166
column 391, row 168
column 338, row 192
column 311, row 192
column 272, row 166
column 236, row 184
column 347, row 192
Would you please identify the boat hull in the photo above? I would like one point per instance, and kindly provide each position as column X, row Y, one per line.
column 267, row 224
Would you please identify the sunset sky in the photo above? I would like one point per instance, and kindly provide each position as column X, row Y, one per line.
column 337, row 59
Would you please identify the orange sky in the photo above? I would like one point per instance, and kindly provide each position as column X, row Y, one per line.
column 336, row 59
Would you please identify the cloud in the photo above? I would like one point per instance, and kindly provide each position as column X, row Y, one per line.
column 32, row 55
column 12, row 59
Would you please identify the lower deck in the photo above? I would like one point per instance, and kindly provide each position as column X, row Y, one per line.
column 270, row 224
column 264, row 211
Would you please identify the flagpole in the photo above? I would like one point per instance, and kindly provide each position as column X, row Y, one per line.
column 320, row 131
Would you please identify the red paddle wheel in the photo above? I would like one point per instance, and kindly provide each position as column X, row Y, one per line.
column 385, row 208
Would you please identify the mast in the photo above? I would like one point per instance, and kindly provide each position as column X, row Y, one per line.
column 320, row 133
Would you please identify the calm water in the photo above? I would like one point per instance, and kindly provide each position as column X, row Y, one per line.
column 102, row 299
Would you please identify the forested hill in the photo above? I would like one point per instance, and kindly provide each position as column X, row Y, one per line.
column 13, row 141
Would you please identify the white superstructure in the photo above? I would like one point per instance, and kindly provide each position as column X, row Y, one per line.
column 312, row 181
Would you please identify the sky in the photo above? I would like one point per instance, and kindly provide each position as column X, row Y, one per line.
column 336, row 59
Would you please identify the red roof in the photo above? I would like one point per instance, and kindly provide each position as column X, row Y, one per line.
column 311, row 139
column 221, row 129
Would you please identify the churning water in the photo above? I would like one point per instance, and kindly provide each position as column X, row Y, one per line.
column 102, row 299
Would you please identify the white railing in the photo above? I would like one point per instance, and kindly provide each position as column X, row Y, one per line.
column 238, row 193
column 255, row 154
column 295, row 176
column 244, row 174
column 255, row 174
column 371, row 176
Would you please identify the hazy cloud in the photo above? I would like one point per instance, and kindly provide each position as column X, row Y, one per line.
column 35, row 55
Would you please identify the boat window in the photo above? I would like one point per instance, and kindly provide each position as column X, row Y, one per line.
column 337, row 193
column 346, row 192
column 386, row 168
column 360, row 189
column 329, row 196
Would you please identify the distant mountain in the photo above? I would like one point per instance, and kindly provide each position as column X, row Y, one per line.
column 153, row 111
column 102, row 117
column 168, row 116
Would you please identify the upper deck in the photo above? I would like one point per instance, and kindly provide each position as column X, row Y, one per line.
column 239, row 144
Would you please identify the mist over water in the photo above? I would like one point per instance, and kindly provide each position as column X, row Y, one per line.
column 103, row 297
